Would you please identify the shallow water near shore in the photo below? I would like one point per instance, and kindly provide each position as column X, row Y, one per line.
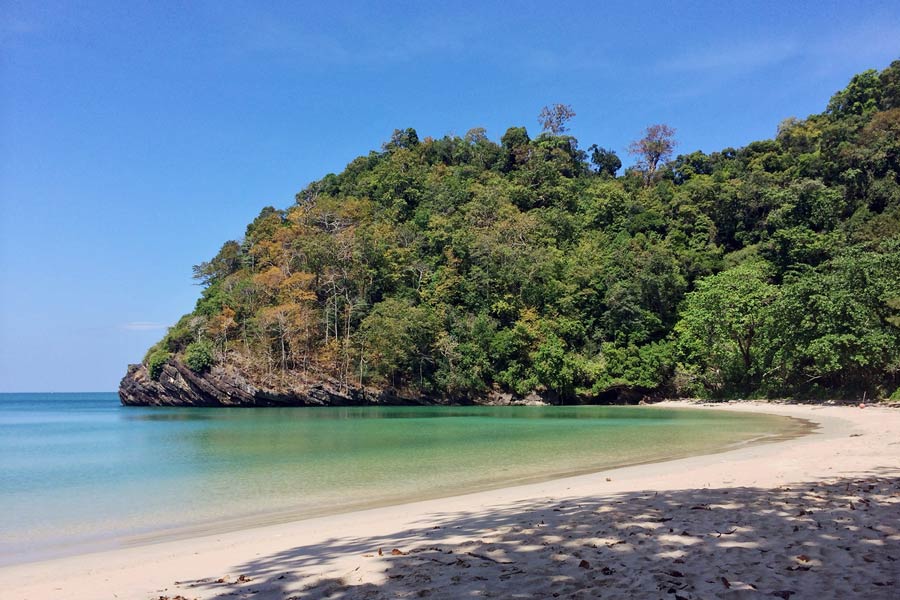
column 78, row 472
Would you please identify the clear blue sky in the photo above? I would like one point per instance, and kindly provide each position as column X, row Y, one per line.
column 136, row 137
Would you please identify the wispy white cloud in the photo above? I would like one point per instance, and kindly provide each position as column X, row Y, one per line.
column 735, row 58
column 867, row 43
column 352, row 38
column 267, row 34
column 143, row 326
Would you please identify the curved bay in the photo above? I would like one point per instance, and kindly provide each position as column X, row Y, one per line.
column 79, row 471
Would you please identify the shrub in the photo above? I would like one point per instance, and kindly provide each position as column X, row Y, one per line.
column 199, row 356
column 155, row 362
column 687, row 382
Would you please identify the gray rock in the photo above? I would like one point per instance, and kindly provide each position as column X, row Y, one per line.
column 178, row 385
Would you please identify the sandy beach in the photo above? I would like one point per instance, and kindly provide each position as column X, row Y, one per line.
column 812, row 517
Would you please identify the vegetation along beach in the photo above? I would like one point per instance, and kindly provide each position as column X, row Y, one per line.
column 486, row 301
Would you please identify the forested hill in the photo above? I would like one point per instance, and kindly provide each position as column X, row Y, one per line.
column 464, row 270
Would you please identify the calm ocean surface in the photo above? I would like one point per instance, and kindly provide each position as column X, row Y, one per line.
column 80, row 472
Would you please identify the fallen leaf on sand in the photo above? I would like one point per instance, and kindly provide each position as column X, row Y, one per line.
column 721, row 533
column 396, row 552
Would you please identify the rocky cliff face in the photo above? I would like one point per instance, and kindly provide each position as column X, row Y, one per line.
column 178, row 385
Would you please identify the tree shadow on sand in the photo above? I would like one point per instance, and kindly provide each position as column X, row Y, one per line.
column 832, row 539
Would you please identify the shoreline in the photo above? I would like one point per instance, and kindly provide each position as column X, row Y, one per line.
column 799, row 428
column 787, row 428
column 848, row 442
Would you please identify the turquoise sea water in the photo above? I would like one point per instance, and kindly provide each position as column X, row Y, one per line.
column 80, row 472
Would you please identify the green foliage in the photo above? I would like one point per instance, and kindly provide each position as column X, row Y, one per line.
column 721, row 322
column 606, row 162
column 199, row 357
column 156, row 360
column 226, row 262
column 178, row 336
column 890, row 86
column 406, row 138
column 638, row 368
column 862, row 95
column 457, row 267
column 832, row 326
column 396, row 338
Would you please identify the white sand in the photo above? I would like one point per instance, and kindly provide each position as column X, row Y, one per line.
column 814, row 517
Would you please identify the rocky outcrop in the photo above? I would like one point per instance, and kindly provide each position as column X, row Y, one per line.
column 178, row 385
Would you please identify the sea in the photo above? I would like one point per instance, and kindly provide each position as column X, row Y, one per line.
column 81, row 473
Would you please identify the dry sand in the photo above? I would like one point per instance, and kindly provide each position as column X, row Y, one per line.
column 813, row 517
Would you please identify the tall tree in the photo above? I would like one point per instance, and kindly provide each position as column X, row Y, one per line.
column 655, row 147
column 721, row 320
column 554, row 118
column 606, row 162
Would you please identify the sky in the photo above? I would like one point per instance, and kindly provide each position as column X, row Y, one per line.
column 136, row 137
